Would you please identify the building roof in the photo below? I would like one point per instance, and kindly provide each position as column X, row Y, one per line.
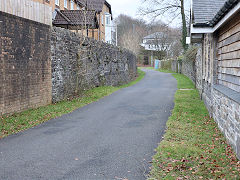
column 81, row 2
column 207, row 13
column 76, row 18
column 97, row 5
column 154, row 35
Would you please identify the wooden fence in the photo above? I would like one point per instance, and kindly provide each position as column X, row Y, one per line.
column 28, row 9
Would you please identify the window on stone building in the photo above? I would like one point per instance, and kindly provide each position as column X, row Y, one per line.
column 78, row 7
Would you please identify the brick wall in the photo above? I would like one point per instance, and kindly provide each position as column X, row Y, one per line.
column 25, row 65
column 80, row 63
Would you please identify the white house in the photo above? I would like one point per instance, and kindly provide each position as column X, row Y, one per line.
column 156, row 42
column 110, row 29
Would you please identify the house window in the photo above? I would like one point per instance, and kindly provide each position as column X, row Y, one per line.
column 78, row 7
column 66, row 4
column 72, row 5
column 107, row 20
column 57, row 2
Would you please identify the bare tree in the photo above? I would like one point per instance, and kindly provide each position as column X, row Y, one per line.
column 170, row 9
column 130, row 32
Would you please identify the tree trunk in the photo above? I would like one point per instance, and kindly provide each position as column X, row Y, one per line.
column 184, row 27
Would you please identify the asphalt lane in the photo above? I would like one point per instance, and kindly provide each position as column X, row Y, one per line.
column 113, row 138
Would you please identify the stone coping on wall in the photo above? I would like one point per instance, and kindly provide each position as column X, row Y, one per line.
column 235, row 96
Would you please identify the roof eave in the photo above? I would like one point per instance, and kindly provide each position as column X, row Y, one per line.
column 210, row 27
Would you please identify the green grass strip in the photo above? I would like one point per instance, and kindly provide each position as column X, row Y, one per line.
column 193, row 147
column 33, row 117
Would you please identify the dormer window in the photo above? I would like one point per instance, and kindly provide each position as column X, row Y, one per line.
column 107, row 20
column 66, row 4
column 72, row 5
column 57, row 2
column 102, row 20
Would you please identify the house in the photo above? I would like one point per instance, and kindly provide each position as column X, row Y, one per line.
column 155, row 42
column 215, row 29
column 63, row 4
column 110, row 29
column 104, row 15
column 90, row 15
column 77, row 20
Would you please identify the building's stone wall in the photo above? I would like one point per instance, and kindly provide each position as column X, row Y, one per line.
column 226, row 113
column 198, row 64
column 80, row 63
column 222, row 103
column 25, row 65
column 207, row 96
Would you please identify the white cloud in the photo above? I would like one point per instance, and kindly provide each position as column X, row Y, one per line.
column 128, row 7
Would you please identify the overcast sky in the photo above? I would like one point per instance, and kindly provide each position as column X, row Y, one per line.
column 128, row 7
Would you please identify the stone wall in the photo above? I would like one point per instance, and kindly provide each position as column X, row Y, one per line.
column 226, row 112
column 199, row 67
column 174, row 66
column 222, row 102
column 188, row 69
column 80, row 63
column 25, row 65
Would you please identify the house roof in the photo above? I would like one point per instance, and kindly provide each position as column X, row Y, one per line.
column 207, row 13
column 154, row 35
column 81, row 2
column 97, row 5
column 77, row 18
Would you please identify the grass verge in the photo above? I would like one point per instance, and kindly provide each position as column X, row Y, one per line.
column 193, row 147
column 33, row 117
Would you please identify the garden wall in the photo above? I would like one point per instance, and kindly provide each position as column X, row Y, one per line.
column 80, row 63
column 25, row 64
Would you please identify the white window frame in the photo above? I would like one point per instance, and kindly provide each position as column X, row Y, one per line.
column 102, row 20
column 57, row 2
column 66, row 4
column 72, row 5
column 107, row 20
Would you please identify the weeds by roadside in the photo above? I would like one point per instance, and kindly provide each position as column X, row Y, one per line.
column 33, row 117
column 193, row 147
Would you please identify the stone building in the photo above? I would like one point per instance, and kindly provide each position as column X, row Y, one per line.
column 215, row 28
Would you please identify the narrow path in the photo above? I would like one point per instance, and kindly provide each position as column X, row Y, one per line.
column 113, row 138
